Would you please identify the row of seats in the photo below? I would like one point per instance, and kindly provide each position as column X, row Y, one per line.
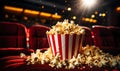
column 16, row 37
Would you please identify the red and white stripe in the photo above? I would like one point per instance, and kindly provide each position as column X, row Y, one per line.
column 65, row 44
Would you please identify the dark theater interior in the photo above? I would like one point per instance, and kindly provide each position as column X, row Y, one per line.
column 27, row 44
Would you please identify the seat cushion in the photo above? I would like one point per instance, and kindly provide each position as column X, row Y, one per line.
column 14, row 51
column 12, row 35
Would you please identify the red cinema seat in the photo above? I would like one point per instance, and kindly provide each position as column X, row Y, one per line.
column 87, row 39
column 8, row 35
column 38, row 37
column 103, row 38
column 12, row 38
column 116, row 34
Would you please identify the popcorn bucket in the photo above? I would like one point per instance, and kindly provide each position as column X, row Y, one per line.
column 65, row 44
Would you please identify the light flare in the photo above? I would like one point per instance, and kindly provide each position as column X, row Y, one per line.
column 89, row 3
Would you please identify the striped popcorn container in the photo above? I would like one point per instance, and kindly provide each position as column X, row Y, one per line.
column 65, row 44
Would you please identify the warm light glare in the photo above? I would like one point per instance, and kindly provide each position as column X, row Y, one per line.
column 56, row 16
column 56, row 13
column 43, row 6
column 87, row 19
column 90, row 20
column 45, row 14
column 104, row 14
column 74, row 17
column 88, row 3
column 92, row 16
column 118, row 9
column 96, row 12
column 15, row 9
column 33, row 12
column 25, row 18
column 94, row 21
column 69, row 9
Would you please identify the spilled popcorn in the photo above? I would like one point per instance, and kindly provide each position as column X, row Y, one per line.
column 91, row 55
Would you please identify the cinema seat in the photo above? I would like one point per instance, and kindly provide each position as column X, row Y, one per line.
column 116, row 34
column 38, row 37
column 12, row 39
column 103, row 38
column 87, row 39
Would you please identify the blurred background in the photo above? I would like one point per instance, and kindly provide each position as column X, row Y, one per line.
column 48, row 12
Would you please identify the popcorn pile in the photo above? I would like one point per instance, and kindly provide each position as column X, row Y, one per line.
column 66, row 28
column 91, row 55
column 38, row 57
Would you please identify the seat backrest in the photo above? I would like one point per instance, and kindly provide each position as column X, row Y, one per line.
column 12, row 34
column 102, row 36
column 87, row 39
column 38, row 37
column 116, row 34
column 22, row 33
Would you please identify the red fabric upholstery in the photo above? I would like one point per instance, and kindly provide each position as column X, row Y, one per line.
column 102, row 36
column 22, row 30
column 38, row 37
column 116, row 34
column 8, row 35
column 87, row 39
column 12, row 39
column 3, row 59
column 12, row 35
column 14, row 51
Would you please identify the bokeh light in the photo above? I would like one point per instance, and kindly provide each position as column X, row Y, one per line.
column 92, row 16
column 74, row 17
column 69, row 9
